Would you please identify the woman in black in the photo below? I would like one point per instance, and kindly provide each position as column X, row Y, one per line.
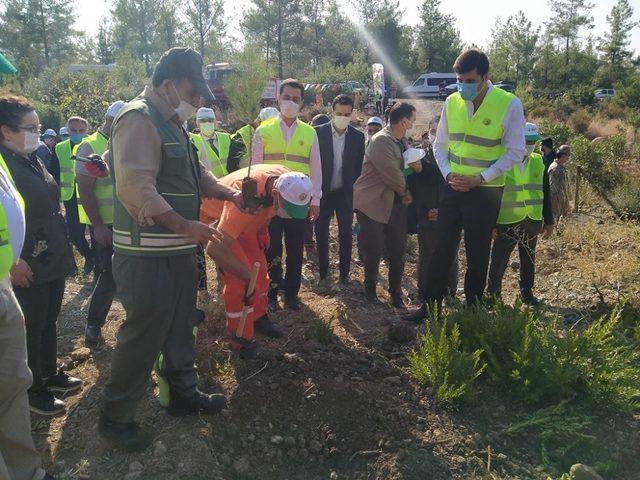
column 46, row 259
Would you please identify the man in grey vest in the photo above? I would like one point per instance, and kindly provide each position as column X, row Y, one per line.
column 158, row 183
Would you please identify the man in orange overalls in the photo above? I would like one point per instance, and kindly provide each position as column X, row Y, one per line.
column 245, row 238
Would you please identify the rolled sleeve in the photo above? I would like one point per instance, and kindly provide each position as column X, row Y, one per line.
column 137, row 151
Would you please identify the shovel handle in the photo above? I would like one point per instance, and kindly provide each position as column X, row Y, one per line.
column 250, row 288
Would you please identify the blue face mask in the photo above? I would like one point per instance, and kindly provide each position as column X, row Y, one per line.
column 76, row 137
column 469, row 91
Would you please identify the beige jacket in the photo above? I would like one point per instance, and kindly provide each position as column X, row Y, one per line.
column 381, row 179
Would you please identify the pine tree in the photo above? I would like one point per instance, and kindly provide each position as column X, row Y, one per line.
column 615, row 43
column 202, row 17
column 104, row 46
column 438, row 41
column 513, row 48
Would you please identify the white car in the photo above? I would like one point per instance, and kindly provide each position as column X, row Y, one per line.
column 428, row 85
column 603, row 93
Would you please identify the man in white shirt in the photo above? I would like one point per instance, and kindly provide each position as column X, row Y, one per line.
column 479, row 138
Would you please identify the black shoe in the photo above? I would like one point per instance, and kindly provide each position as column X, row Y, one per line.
column 529, row 299
column 92, row 336
column 48, row 476
column 43, row 402
column 127, row 436
column 89, row 265
column 416, row 316
column 371, row 297
column 274, row 305
column 266, row 327
column 63, row 383
column 345, row 280
column 249, row 350
column 198, row 402
column 398, row 302
column 293, row 303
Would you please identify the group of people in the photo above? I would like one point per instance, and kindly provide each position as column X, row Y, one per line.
column 156, row 199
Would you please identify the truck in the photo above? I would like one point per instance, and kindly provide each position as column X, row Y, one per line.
column 216, row 74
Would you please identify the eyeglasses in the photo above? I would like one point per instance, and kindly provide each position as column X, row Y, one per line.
column 29, row 128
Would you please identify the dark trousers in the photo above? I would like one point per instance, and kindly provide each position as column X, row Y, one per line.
column 374, row 237
column 105, row 288
column 308, row 233
column 202, row 268
column 293, row 232
column 475, row 212
column 41, row 306
column 159, row 296
column 427, row 239
column 76, row 229
column 335, row 203
column 525, row 235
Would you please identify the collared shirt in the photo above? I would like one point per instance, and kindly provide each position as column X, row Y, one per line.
column 137, row 149
column 512, row 139
column 338, row 150
column 257, row 157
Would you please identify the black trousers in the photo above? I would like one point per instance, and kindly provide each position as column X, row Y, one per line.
column 41, row 306
column 105, row 288
column 475, row 212
column 335, row 203
column 427, row 239
column 76, row 229
column 525, row 235
column 374, row 237
column 292, row 231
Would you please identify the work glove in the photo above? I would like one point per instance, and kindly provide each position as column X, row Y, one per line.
column 96, row 167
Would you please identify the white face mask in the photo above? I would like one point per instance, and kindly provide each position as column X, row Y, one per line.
column 289, row 109
column 184, row 110
column 208, row 129
column 341, row 122
column 31, row 142
column 530, row 149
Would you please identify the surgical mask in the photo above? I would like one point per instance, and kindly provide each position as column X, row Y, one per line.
column 76, row 138
column 341, row 122
column 469, row 91
column 208, row 129
column 31, row 142
column 289, row 109
column 185, row 111
column 530, row 149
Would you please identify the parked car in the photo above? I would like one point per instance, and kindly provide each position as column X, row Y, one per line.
column 506, row 86
column 428, row 85
column 603, row 93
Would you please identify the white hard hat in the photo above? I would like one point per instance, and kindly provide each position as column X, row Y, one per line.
column 205, row 113
column 49, row 133
column 531, row 132
column 413, row 155
column 267, row 113
column 375, row 121
column 64, row 131
column 295, row 190
column 114, row 108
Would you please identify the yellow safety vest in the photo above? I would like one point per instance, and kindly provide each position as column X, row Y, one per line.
column 295, row 155
column 246, row 133
column 476, row 143
column 207, row 154
column 7, row 255
column 523, row 195
column 67, row 169
column 102, row 188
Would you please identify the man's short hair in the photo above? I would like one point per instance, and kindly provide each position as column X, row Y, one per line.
column 320, row 119
column 342, row 99
column 470, row 60
column 78, row 119
column 399, row 111
column 292, row 83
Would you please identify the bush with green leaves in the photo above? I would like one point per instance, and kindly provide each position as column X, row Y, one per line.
column 559, row 132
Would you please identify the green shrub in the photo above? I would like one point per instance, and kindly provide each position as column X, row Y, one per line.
column 582, row 96
column 559, row 132
column 50, row 116
column 441, row 363
column 320, row 330
column 580, row 121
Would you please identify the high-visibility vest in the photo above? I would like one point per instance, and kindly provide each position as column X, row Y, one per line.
column 476, row 143
column 246, row 133
column 207, row 154
column 102, row 188
column 523, row 194
column 295, row 155
column 7, row 255
column 178, row 182
column 67, row 169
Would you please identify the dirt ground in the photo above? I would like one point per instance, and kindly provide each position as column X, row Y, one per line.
column 336, row 402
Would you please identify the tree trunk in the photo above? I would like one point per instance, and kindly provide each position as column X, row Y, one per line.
column 43, row 26
column 566, row 62
column 279, row 38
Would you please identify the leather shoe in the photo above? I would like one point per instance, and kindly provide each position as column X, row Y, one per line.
column 274, row 305
column 198, row 402
column 127, row 436
column 398, row 302
column 529, row 299
column 371, row 297
column 293, row 303
column 266, row 327
column 416, row 316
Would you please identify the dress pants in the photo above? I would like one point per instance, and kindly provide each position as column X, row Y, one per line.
column 105, row 288
column 76, row 229
column 159, row 296
column 525, row 235
column 293, row 232
column 335, row 202
column 392, row 237
column 475, row 212
column 41, row 305
column 427, row 238
column 19, row 459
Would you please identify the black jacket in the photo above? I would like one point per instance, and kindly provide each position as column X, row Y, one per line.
column 426, row 189
column 352, row 159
